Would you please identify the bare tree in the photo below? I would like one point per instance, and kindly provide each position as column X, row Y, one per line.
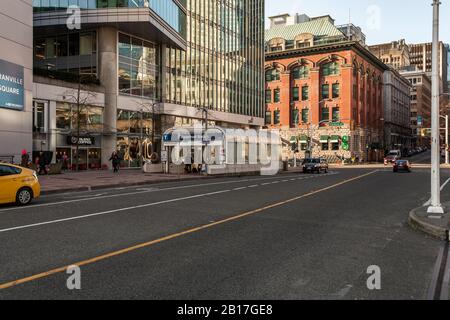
column 82, row 99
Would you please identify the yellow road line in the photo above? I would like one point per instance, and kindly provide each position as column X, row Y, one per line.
column 173, row 236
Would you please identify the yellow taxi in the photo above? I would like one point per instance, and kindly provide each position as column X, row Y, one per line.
column 18, row 184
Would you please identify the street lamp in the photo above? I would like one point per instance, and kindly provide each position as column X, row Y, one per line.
column 447, row 160
column 446, row 139
column 436, row 206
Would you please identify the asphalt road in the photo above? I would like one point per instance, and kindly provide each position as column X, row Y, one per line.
column 291, row 236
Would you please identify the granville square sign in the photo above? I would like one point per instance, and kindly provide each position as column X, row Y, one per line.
column 11, row 86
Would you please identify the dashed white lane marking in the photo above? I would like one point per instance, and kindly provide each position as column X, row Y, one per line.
column 112, row 211
column 133, row 207
column 135, row 192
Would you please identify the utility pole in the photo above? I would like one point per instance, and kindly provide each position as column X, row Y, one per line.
column 446, row 139
column 436, row 206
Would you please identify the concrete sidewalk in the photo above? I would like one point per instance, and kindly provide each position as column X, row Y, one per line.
column 92, row 180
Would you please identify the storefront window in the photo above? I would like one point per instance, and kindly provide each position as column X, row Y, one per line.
column 123, row 121
column 95, row 120
column 63, row 116
column 129, row 151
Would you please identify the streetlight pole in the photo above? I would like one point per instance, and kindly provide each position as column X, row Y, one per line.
column 436, row 206
column 446, row 139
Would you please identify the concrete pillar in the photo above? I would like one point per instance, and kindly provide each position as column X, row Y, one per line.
column 52, row 129
column 108, row 74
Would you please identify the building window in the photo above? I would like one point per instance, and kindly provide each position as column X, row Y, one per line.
column 336, row 90
column 268, row 119
column 272, row 75
column 330, row 69
column 305, row 116
column 268, row 96
column 138, row 67
column 39, row 117
column 301, row 72
column 295, row 94
column 295, row 117
column 59, row 52
column 336, row 114
column 276, row 117
column 325, row 146
column 305, row 93
column 335, row 146
column 325, row 114
column 325, row 91
column 276, row 95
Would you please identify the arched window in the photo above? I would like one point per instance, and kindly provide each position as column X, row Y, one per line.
column 330, row 69
column 272, row 75
column 301, row 72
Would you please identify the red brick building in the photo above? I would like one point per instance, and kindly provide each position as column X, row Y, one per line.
column 325, row 96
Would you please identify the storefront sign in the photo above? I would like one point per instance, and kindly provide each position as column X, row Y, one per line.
column 11, row 86
column 81, row 141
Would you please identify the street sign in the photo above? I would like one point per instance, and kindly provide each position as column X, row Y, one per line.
column 420, row 121
column 11, row 86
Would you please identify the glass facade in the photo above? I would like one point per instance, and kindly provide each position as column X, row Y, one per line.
column 138, row 67
column 222, row 68
column 168, row 10
column 69, row 52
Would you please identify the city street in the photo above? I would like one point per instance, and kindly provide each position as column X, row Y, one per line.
column 291, row 236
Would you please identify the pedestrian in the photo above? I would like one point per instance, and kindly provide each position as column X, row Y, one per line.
column 25, row 159
column 115, row 161
column 42, row 164
column 65, row 161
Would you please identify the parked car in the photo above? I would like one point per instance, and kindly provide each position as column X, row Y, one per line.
column 311, row 165
column 392, row 157
column 17, row 184
column 402, row 165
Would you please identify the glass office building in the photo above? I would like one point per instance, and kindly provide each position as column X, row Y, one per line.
column 183, row 55
column 222, row 69
column 169, row 10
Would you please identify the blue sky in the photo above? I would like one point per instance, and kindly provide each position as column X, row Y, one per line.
column 381, row 20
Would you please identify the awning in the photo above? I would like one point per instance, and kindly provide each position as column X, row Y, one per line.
column 324, row 139
column 334, row 139
column 303, row 139
column 293, row 139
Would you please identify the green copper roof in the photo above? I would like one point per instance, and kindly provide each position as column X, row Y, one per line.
column 321, row 27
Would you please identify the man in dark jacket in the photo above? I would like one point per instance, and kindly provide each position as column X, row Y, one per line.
column 115, row 161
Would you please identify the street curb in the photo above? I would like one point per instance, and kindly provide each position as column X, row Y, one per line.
column 111, row 186
column 142, row 183
column 418, row 224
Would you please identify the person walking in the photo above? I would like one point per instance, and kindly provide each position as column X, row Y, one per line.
column 42, row 164
column 25, row 159
column 115, row 161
